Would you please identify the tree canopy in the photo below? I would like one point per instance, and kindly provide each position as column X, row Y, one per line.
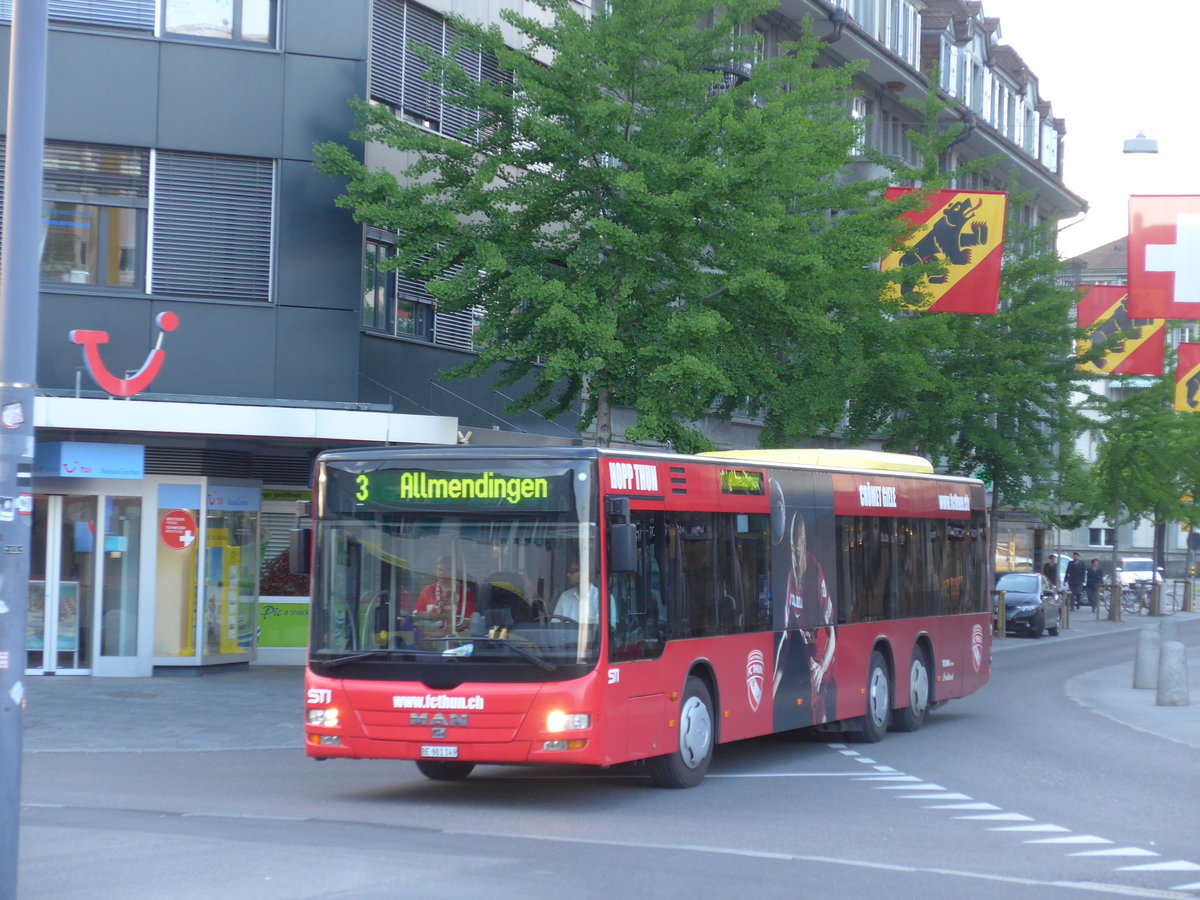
column 649, row 214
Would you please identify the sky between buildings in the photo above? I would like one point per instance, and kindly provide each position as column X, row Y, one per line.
column 1113, row 69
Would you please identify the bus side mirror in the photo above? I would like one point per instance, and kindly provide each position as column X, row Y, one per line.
column 300, row 551
column 622, row 548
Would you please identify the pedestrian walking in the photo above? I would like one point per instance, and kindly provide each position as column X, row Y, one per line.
column 1095, row 578
column 1076, row 579
column 1050, row 570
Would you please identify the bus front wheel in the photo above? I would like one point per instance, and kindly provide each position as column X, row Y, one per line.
column 444, row 770
column 688, row 764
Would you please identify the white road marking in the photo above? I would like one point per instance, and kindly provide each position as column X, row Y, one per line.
column 962, row 806
column 944, row 795
column 1175, row 865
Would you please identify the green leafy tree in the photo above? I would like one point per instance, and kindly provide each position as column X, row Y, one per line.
column 641, row 227
column 1148, row 460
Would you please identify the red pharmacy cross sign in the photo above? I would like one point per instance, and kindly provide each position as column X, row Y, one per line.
column 178, row 529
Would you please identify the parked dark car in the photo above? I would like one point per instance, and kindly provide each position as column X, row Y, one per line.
column 1031, row 604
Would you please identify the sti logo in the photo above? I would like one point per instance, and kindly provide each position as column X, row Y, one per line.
column 139, row 380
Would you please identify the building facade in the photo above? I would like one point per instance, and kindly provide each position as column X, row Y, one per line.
column 209, row 320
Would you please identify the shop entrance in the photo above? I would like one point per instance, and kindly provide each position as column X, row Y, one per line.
column 61, row 568
column 83, row 578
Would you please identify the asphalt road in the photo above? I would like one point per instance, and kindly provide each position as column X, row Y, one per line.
column 1018, row 791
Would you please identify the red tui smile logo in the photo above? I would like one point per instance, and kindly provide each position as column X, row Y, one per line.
column 139, row 380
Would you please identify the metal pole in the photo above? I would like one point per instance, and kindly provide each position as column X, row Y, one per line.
column 20, row 261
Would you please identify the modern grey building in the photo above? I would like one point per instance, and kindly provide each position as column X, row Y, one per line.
column 209, row 320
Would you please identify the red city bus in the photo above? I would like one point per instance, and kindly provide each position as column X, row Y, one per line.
column 585, row 606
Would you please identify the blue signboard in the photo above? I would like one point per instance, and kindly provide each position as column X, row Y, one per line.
column 75, row 459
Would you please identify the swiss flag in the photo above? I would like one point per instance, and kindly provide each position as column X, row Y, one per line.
column 1164, row 257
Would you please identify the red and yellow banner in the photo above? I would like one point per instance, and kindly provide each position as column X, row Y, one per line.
column 964, row 231
column 1103, row 308
column 1187, row 379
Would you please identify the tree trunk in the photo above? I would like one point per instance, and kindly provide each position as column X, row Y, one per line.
column 604, row 417
column 1114, row 590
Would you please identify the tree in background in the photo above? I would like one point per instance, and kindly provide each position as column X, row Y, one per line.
column 649, row 215
column 1148, row 460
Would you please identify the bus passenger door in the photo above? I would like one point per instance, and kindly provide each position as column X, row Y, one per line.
column 636, row 638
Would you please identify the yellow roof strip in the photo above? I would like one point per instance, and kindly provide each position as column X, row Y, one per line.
column 837, row 459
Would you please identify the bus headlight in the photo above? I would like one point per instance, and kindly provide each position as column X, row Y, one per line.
column 326, row 718
column 560, row 721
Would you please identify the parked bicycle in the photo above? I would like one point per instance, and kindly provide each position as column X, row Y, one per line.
column 1135, row 599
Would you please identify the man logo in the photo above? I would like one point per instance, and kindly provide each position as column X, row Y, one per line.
column 755, row 671
column 977, row 647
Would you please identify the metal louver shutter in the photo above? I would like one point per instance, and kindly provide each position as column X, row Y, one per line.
column 422, row 100
column 489, row 70
column 133, row 14
column 387, row 53
column 456, row 121
column 99, row 169
column 456, row 329
column 137, row 15
column 212, row 226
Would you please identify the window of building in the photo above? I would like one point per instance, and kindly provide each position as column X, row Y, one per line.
column 414, row 309
column 96, row 200
column 1101, row 537
column 212, row 221
column 379, row 292
column 395, row 304
column 860, row 110
column 242, row 21
column 213, row 226
column 397, row 73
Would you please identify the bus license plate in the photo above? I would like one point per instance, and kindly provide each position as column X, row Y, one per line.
column 439, row 752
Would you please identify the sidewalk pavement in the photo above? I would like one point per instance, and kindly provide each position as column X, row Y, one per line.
column 250, row 708
column 262, row 707
column 1109, row 691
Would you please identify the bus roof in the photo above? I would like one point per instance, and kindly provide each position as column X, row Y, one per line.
column 833, row 459
column 851, row 459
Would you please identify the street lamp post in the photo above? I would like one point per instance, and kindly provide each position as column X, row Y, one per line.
column 19, row 265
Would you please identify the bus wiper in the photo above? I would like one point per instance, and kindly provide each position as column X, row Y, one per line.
column 521, row 651
column 366, row 654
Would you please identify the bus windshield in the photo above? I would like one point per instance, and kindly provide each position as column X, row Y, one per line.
column 459, row 593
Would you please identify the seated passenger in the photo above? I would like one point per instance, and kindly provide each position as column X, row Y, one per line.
column 451, row 601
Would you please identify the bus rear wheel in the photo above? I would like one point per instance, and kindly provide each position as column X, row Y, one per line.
column 444, row 770
column 879, row 702
column 687, row 766
column 913, row 716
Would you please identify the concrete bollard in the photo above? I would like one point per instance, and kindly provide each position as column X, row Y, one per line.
column 1145, row 663
column 1172, row 675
